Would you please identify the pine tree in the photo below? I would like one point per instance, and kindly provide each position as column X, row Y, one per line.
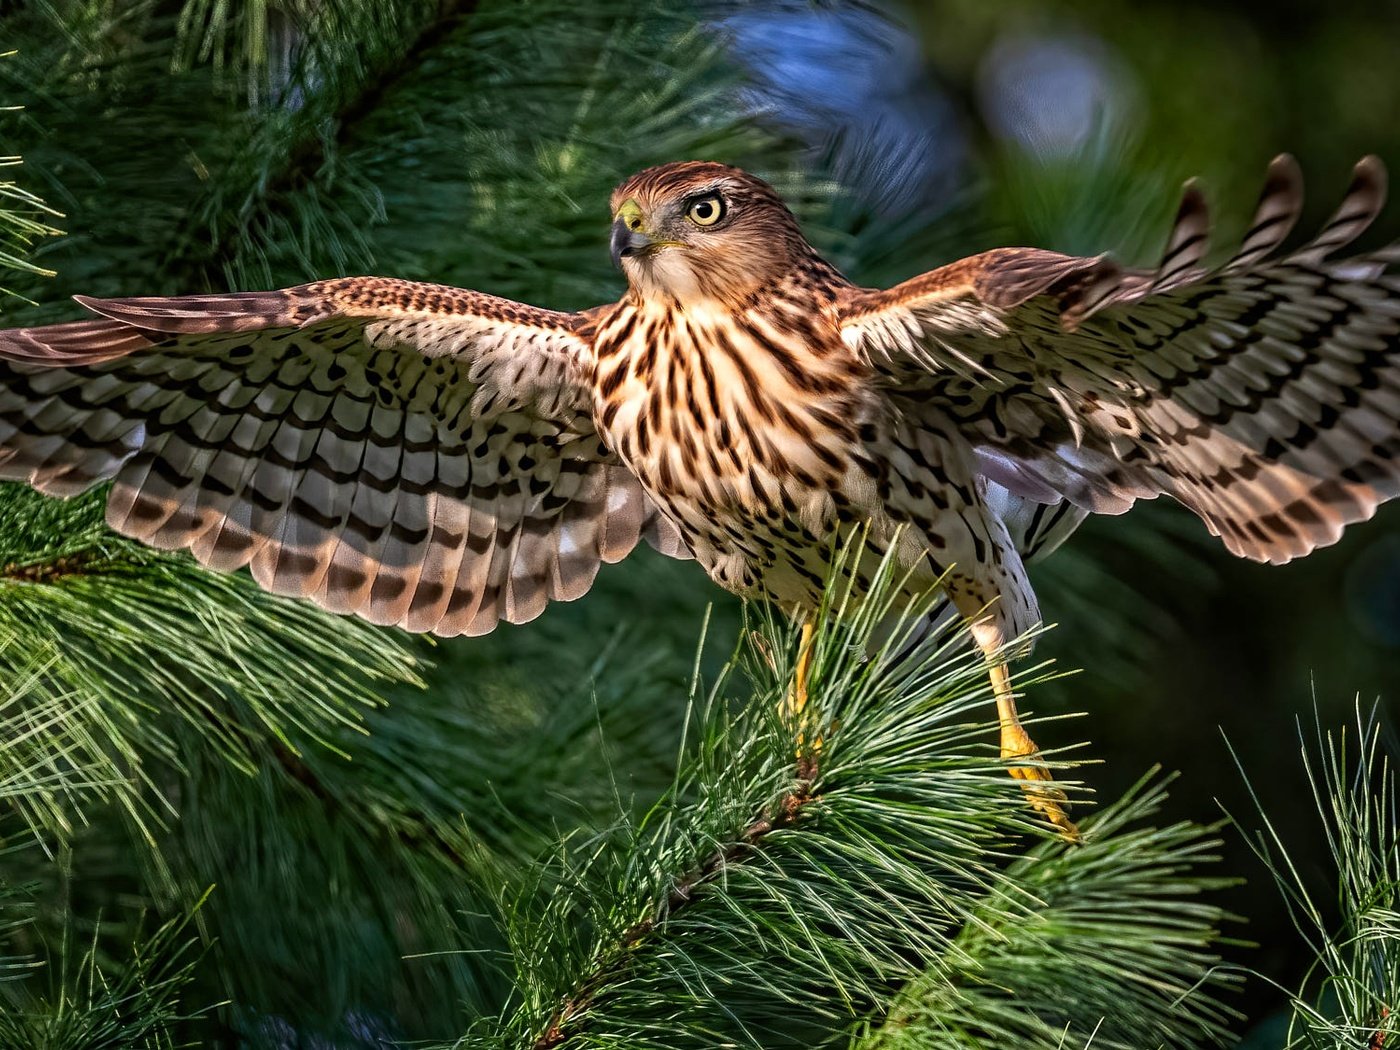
column 235, row 821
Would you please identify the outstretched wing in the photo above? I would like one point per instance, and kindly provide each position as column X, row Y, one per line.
column 1263, row 394
column 415, row 454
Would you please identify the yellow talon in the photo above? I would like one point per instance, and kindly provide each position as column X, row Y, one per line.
column 795, row 702
column 1042, row 793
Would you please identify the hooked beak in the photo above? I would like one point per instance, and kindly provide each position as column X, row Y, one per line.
column 625, row 242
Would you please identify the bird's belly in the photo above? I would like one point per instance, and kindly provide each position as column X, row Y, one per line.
column 771, row 519
column 757, row 503
column 780, row 549
column 790, row 557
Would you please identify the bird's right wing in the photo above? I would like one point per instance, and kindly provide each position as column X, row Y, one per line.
column 415, row 454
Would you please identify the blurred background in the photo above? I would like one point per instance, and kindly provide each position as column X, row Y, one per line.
column 203, row 145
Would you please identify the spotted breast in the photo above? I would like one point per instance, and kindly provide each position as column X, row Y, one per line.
column 748, row 427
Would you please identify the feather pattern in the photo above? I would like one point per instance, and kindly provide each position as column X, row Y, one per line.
column 1263, row 394
column 415, row 455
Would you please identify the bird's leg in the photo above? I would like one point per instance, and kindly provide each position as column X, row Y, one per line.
column 798, row 695
column 1016, row 743
column 795, row 700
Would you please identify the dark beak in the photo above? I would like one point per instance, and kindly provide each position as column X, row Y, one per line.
column 626, row 242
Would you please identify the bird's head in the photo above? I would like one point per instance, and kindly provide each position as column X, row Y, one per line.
column 697, row 230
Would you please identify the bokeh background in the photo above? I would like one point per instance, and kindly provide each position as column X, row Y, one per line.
column 201, row 145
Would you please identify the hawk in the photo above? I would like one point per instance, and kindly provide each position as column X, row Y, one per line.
column 443, row 459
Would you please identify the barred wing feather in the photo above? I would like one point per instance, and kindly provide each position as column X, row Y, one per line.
column 417, row 455
column 1263, row 394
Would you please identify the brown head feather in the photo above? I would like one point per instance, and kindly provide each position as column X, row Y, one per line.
column 682, row 178
column 755, row 243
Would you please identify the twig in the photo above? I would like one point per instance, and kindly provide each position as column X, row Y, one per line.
column 306, row 159
column 1378, row 1040
column 611, row 962
column 49, row 571
column 309, row 154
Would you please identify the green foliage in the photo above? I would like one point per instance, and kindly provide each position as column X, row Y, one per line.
column 85, row 1007
column 864, row 862
column 112, row 639
column 1105, row 946
column 1351, row 924
column 16, row 913
column 23, row 220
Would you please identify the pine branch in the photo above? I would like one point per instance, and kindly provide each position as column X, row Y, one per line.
column 23, row 222
column 24, row 219
column 705, row 924
column 151, row 643
column 345, row 108
column 51, row 570
column 1110, row 943
column 449, row 17
column 1350, row 996
column 611, row 965
column 84, row 1006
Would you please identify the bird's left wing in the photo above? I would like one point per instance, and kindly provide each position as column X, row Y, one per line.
column 1263, row 394
column 415, row 454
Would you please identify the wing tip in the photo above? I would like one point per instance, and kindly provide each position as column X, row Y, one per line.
column 1285, row 169
column 86, row 342
column 1372, row 168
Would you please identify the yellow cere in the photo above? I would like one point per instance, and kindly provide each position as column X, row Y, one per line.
column 631, row 214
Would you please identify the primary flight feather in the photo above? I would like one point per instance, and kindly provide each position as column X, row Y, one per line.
column 443, row 459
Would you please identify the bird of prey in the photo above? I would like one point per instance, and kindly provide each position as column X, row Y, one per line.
column 443, row 459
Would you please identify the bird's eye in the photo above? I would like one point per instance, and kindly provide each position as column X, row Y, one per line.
column 706, row 211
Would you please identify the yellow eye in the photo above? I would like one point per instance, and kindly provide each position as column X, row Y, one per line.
column 706, row 211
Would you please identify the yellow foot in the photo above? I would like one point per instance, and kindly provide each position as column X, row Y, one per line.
column 792, row 710
column 795, row 705
column 1039, row 784
column 795, row 702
